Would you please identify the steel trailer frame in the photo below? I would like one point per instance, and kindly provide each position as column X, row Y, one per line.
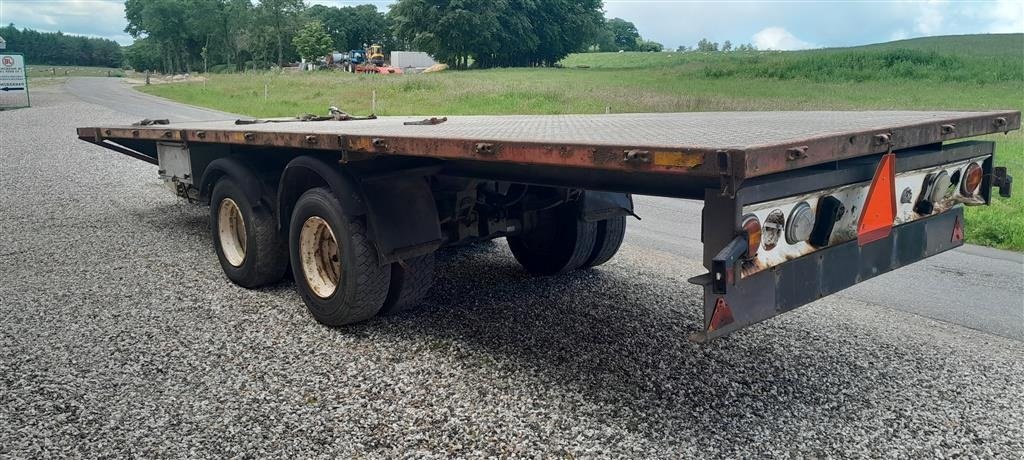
column 725, row 176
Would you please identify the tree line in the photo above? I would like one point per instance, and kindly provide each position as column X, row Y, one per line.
column 708, row 46
column 189, row 35
column 56, row 48
column 229, row 35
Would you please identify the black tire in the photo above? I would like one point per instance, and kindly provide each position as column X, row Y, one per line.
column 410, row 282
column 610, row 234
column 265, row 255
column 363, row 284
column 558, row 244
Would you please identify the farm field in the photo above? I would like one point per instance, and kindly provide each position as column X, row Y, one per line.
column 975, row 72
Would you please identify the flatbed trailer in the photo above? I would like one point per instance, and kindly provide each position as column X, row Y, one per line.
column 797, row 205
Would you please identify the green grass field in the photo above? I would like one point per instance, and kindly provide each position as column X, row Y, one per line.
column 976, row 73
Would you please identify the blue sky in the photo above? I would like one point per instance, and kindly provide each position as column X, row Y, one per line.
column 769, row 25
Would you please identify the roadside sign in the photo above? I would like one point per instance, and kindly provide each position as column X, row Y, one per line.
column 13, row 82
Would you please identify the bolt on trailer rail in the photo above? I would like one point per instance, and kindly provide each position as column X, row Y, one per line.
column 798, row 205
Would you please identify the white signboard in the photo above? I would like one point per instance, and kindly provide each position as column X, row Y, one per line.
column 13, row 84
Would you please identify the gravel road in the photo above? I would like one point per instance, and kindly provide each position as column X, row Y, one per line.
column 121, row 337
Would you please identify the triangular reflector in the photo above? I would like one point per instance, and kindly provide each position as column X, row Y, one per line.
column 879, row 211
column 721, row 316
column 958, row 231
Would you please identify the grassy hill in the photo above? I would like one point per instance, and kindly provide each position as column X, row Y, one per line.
column 986, row 58
column 886, row 76
column 1000, row 45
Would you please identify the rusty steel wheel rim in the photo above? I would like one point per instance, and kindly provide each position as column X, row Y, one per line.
column 231, row 232
column 319, row 252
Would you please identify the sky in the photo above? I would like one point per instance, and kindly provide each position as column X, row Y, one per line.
column 780, row 25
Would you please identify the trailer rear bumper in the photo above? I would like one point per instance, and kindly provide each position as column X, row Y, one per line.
column 798, row 282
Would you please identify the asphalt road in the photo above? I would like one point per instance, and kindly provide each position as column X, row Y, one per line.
column 121, row 337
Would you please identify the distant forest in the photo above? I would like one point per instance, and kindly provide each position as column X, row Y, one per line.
column 230, row 35
column 55, row 48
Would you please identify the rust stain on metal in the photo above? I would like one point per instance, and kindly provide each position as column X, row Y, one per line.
column 688, row 160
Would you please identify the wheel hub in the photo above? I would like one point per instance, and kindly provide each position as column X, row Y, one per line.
column 319, row 251
column 231, row 231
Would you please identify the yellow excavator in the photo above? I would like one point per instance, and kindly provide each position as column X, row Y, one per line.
column 375, row 55
column 375, row 62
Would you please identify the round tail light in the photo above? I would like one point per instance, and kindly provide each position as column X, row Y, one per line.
column 752, row 227
column 800, row 223
column 771, row 231
column 971, row 180
column 941, row 187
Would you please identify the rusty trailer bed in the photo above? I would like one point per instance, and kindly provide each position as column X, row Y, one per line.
column 683, row 150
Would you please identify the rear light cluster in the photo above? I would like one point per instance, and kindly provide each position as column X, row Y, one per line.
column 777, row 231
column 800, row 226
column 942, row 186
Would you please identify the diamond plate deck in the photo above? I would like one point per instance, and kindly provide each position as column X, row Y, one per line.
column 735, row 144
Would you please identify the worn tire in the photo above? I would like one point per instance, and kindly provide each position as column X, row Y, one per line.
column 409, row 284
column 363, row 282
column 264, row 254
column 610, row 234
column 560, row 243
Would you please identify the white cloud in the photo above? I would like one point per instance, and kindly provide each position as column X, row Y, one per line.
column 899, row 34
column 92, row 18
column 777, row 38
column 929, row 20
column 1005, row 17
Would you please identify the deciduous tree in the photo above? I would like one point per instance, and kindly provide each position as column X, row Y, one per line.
column 312, row 41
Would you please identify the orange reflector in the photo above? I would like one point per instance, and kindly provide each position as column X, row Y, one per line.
column 722, row 315
column 971, row 179
column 879, row 211
column 958, row 231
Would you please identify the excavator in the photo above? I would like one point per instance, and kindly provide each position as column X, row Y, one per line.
column 374, row 62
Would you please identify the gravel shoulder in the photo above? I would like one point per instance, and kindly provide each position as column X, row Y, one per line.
column 121, row 337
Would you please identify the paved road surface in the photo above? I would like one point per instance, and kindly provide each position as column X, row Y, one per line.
column 122, row 338
column 114, row 94
column 976, row 287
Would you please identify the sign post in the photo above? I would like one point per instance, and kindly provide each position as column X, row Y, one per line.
column 13, row 82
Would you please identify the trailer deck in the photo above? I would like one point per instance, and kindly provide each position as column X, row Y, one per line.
column 740, row 145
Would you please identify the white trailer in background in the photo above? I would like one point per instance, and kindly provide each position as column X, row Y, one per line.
column 411, row 59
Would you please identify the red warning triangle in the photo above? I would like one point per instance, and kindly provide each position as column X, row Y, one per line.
column 879, row 210
column 958, row 231
column 721, row 316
